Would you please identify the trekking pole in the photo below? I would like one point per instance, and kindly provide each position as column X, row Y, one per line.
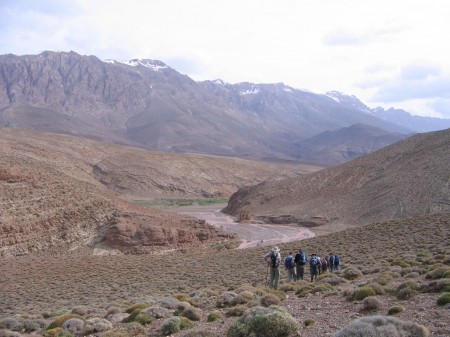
column 267, row 277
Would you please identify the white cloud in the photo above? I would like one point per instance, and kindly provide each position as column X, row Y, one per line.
column 357, row 47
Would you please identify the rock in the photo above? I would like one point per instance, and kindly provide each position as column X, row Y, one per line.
column 157, row 311
column 73, row 325
column 97, row 325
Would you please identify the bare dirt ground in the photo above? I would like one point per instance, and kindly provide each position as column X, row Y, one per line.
column 252, row 234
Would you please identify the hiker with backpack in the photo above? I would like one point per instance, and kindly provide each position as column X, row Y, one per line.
column 300, row 262
column 324, row 264
column 331, row 262
column 319, row 267
column 289, row 264
column 314, row 266
column 336, row 262
column 273, row 260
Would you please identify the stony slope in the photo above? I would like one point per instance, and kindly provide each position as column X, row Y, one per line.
column 415, row 254
column 62, row 192
column 343, row 145
column 408, row 178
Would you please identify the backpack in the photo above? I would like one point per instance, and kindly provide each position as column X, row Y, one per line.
column 336, row 260
column 300, row 258
column 289, row 262
column 331, row 260
column 324, row 263
column 273, row 260
column 314, row 261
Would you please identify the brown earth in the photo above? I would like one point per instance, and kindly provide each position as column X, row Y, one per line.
column 62, row 192
column 388, row 256
column 405, row 179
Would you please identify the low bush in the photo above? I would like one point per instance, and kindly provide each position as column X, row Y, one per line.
column 57, row 332
column 351, row 273
column 444, row 299
column 270, row 299
column 260, row 321
column 170, row 326
column 382, row 326
column 214, row 316
column 60, row 320
column 362, row 293
column 441, row 272
column 371, row 303
column 396, row 309
column 236, row 311
column 192, row 313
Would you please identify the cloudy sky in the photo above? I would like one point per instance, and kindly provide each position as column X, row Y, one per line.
column 389, row 53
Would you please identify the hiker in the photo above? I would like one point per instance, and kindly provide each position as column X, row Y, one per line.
column 331, row 262
column 319, row 267
column 289, row 264
column 324, row 264
column 336, row 262
column 300, row 261
column 273, row 260
column 314, row 266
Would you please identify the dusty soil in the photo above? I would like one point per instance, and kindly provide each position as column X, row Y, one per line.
column 252, row 234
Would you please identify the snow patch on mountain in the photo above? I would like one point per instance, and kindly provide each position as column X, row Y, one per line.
column 253, row 90
column 151, row 64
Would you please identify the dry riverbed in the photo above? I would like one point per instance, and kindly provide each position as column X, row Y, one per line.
column 252, row 234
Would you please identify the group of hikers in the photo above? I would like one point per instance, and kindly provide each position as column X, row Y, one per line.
column 295, row 265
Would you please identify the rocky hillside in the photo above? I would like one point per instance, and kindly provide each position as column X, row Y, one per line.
column 61, row 192
column 408, row 178
column 146, row 103
column 343, row 145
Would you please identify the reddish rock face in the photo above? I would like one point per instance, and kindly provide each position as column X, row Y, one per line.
column 126, row 232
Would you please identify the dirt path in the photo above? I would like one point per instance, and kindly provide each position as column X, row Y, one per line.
column 252, row 235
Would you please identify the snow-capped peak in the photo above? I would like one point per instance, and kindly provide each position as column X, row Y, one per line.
column 253, row 89
column 151, row 64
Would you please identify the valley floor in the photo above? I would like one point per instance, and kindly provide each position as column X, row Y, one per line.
column 252, row 234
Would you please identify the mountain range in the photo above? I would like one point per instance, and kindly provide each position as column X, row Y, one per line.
column 145, row 103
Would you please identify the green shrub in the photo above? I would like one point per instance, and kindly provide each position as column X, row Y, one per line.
column 401, row 263
column 440, row 272
column 144, row 319
column 362, row 293
column 444, row 299
column 138, row 306
column 214, row 316
column 185, row 323
column 170, row 326
column 396, row 309
column 260, row 321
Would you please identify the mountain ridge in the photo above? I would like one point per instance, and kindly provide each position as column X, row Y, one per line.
column 146, row 103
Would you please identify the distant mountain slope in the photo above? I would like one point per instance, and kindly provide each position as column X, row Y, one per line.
column 416, row 123
column 340, row 146
column 61, row 192
column 146, row 103
column 408, row 178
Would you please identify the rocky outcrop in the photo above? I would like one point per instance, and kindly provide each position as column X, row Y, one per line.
column 140, row 234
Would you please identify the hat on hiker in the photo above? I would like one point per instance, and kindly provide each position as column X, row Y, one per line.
column 275, row 249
